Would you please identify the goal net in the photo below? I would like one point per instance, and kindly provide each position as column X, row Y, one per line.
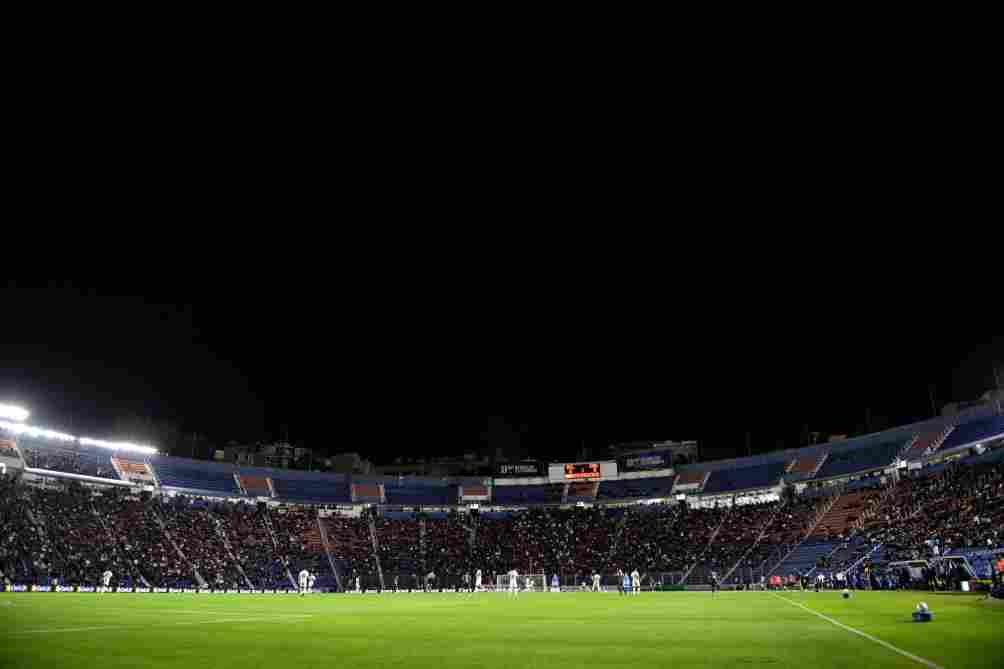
column 527, row 582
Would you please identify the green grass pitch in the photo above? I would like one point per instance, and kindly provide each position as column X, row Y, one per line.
column 673, row 629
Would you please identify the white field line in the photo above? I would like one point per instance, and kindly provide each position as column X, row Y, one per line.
column 885, row 644
column 273, row 619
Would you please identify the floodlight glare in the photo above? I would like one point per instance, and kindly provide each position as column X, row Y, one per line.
column 19, row 428
column 11, row 412
column 117, row 445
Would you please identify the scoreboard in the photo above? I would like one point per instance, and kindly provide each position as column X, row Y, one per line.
column 581, row 471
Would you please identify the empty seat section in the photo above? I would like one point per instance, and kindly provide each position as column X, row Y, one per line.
column 367, row 492
column 690, row 481
column 860, row 459
column 744, row 478
column 807, row 465
column 419, row 495
column 329, row 490
column 978, row 430
column 131, row 470
column 582, row 491
column 520, row 494
column 256, row 486
column 195, row 475
column 636, row 488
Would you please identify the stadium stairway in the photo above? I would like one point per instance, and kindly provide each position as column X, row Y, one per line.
column 134, row 572
column 763, row 532
column 803, row 558
column 325, row 540
column 844, row 513
column 376, row 551
column 267, row 517
column 177, row 549
column 230, row 554
column 812, row 528
column 860, row 560
column 711, row 540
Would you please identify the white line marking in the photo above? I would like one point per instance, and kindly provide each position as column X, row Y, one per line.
column 284, row 618
column 880, row 642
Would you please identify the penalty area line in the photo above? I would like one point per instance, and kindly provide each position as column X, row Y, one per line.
column 885, row 644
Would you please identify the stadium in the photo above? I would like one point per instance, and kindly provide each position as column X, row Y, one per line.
column 115, row 554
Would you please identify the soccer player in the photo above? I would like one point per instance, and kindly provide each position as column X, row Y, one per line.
column 714, row 582
column 636, row 582
column 555, row 584
column 514, row 583
column 596, row 583
column 528, row 583
column 626, row 589
column 106, row 580
column 310, row 582
column 477, row 581
column 304, row 579
column 358, row 585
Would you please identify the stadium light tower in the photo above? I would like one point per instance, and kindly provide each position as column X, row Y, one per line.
column 11, row 412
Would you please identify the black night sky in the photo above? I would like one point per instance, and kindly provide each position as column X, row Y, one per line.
column 416, row 364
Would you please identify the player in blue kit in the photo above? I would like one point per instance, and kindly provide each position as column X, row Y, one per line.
column 626, row 590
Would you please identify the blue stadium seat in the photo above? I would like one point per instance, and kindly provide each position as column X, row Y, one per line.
column 855, row 460
column 759, row 476
column 979, row 430
column 196, row 475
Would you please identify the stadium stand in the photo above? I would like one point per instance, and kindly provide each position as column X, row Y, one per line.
column 691, row 481
column 414, row 492
column 256, row 486
column 582, row 491
column 520, row 494
column 856, row 460
column 636, row 488
column 351, row 548
column 400, row 545
column 368, row 492
column 69, row 458
column 195, row 475
column 979, row 430
column 132, row 470
column 196, row 530
column 841, row 517
column 940, row 505
column 758, row 476
column 807, row 465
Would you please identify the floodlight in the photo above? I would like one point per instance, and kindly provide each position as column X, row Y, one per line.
column 11, row 412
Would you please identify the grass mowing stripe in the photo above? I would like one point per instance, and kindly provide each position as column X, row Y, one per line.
column 272, row 618
column 880, row 642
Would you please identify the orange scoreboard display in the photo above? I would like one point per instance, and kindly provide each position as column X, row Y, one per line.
column 588, row 471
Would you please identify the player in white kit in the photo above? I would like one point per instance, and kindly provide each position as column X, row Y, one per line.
column 636, row 582
column 477, row 581
column 514, row 583
column 596, row 583
column 106, row 580
column 310, row 582
column 304, row 580
column 358, row 586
